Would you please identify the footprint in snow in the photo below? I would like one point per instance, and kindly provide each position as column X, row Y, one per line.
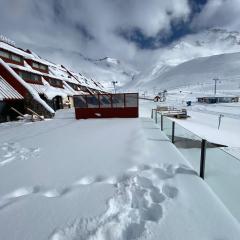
column 10, row 152
column 136, row 202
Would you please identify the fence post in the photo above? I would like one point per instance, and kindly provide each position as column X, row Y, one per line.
column 152, row 114
column 203, row 158
column 173, row 132
column 156, row 120
column 161, row 122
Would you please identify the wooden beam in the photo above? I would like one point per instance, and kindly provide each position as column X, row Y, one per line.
column 15, row 110
column 40, row 117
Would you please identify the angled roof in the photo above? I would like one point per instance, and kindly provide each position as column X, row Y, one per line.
column 7, row 91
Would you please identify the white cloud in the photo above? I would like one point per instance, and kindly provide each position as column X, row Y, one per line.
column 219, row 13
column 61, row 23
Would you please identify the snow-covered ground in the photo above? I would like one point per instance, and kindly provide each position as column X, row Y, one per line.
column 102, row 179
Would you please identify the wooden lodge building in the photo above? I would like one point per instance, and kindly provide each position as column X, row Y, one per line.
column 28, row 81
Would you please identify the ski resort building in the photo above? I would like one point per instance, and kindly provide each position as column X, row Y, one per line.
column 217, row 99
column 28, row 81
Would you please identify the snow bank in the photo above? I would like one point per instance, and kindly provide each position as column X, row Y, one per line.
column 133, row 186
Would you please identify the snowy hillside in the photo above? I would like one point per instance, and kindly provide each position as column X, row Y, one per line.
column 116, row 70
column 198, row 72
column 205, row 44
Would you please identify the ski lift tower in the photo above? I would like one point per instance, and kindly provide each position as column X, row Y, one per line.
column 114, row 85
column 215, row 85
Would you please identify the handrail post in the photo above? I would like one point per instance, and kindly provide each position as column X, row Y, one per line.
column 173, row 132
column 161, row 122
column 203, row 158
column 156, row 120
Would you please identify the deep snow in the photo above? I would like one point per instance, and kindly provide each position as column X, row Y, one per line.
column 102, row 179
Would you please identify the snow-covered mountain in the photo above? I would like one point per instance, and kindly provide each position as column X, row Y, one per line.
column 197, row 51
column 196, row 72
column 114, row 70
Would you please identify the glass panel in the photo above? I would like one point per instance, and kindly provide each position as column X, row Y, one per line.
column 43, row 67
column 35, row 77
column 118, row 100
column 167, row 125
column 16, row 58
column 187, row 143
column 222, row 173
column 4, row 54
column 131, row 100
column 36, row 65
column 92, row 101
column 25, row 75
column 80, row 101
column 105, row 101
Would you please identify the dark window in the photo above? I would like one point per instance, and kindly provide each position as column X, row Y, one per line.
column 30, row 76
column 92, row 101
column 39, row 66
column 105, row 101
column 80, row 102
column 16, row 58
column 4, row 54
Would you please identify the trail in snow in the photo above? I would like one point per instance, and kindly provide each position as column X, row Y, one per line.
column 141, row 197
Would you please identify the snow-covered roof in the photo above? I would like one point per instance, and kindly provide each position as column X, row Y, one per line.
column 55, row 71
column 7, row 91
column 23, row 53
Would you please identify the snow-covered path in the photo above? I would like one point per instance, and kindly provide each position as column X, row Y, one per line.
column 102, row 179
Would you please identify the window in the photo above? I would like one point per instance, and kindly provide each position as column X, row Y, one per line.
column 4, row 54
column 39, row 66
column 35, row 65
column 30, row 76
column 105, row 101
column 55, row 82
column 16, row 58
column 80, row 102
column 131, row 100
column 43, row 67
column 118, row 100
column 92, row 101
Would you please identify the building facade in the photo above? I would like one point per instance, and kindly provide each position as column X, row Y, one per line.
column 29, row 81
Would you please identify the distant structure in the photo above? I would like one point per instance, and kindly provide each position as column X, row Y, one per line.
column 28, row 81
column 217, row 99
column 161, row 97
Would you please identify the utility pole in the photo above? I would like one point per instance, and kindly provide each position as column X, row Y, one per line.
column 114, row 85
column 215, row 85
column 219, row 120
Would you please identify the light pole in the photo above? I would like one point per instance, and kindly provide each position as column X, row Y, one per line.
column 114, row 85
column 215, row 85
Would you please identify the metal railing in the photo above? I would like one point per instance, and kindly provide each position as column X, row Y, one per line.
column 219, row 168
column 168, row 125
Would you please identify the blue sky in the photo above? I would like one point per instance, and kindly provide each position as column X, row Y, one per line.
column 178, row 30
